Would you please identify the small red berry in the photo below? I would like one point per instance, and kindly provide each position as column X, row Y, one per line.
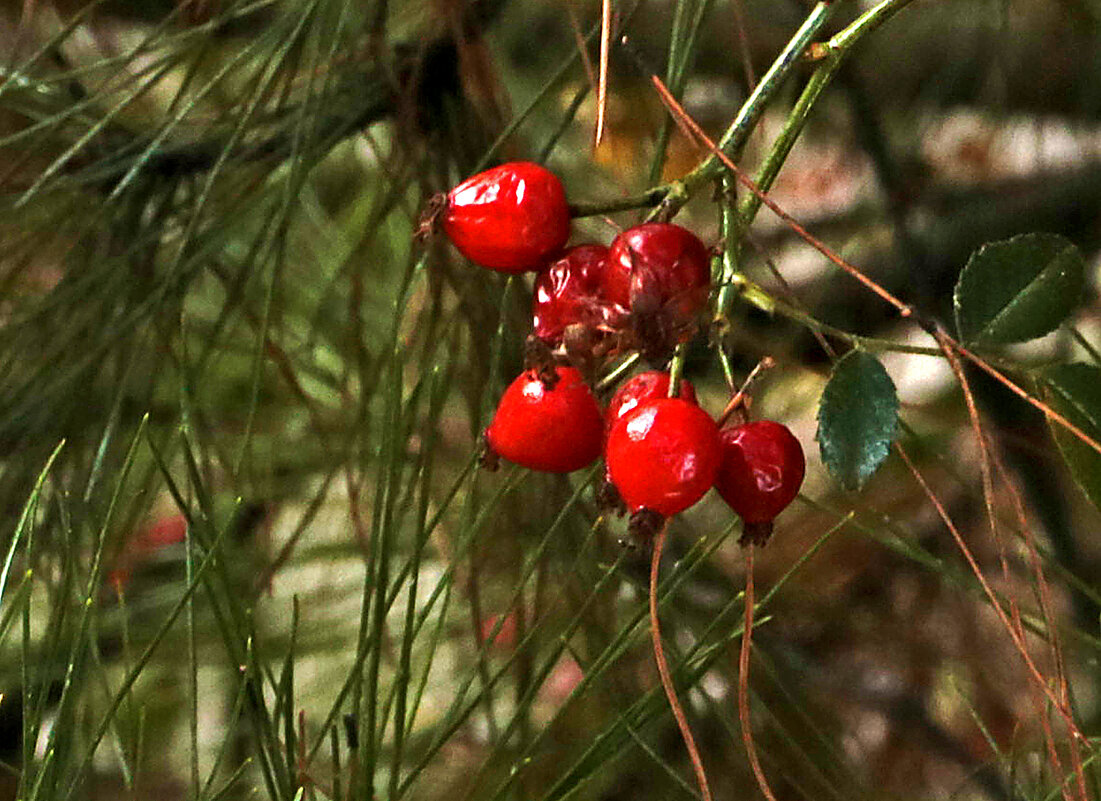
column 648, row 386
column 663, row 456
column 556, row 430
column 569, row 292
column 651, row 385
column 658, row 264
column 510, row 218
column 761, row 471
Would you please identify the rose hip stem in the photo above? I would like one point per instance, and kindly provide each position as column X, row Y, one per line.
column 663, row 668
column 739, row 397
column 743, row 679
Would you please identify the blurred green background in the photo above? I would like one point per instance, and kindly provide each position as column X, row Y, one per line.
column 264, row 562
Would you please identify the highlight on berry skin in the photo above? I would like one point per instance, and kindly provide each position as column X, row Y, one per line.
column 661, row 262
column 646, row 386
column 553, row 429
column 663, row 455
column 760, row 473
column 512, row 218
column 569, row 292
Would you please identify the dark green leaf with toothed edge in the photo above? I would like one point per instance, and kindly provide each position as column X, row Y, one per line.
column 857, row 418
column 1018, row 289
column 1074, row 390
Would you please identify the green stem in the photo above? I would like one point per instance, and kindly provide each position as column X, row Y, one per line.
column 832, row 54
column 651, row 197
column 736, row 135
column 676, row 369
column 671, row 196
column 794, row 125
column 675, row 59
column 865, row 24
column 756, row 296
column 730, row 230
column 620, row 370
column 1085, row 344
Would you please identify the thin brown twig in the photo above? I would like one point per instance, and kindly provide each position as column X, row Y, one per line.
column 1018, row 641
column 739, row 398
column 743, row 45
column 1042, row 591
column 663, row 668
column 582, row 49
column 697, row 132
column 1043, row 596
column 987, row 457
column 743, row 680
column 904, row 309
column 1016, row 390
column 954, row 363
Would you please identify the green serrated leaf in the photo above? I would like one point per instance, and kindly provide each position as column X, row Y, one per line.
column 1074, row 390
column 1018, row 289
column 857, row 418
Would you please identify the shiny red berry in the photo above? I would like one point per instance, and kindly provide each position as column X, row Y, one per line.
column 554, row 429
column 663, row 455
column 569, row 292
column 651, row 385
column 510, row 218
column 658, row 264
column 761, row 471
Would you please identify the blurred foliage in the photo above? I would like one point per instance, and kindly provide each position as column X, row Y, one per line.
column 246, row 545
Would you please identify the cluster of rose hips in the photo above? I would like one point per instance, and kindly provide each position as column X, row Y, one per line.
column 644, row 292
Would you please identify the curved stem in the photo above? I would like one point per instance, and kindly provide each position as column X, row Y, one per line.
column 743, row 680
column 870, row 343
column 663, row 668
column 651, row 197
column 735, row 136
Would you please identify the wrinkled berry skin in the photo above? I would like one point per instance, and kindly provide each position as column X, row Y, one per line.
column 569, row 292
column 761, row 471
column 555, row 430
column 658, row 265
column 648, row 386
column 510, row 218
column 663, row 456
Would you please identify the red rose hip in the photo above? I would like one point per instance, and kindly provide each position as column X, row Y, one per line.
column 648, row 386
column 663, row 456
column 510, row 218
column 553, row 429
column 761, row 471
column 569, row 292
column 660, row 263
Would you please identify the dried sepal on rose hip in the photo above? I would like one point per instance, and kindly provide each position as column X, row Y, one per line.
column 760, row 473
column 663, row 456
column 510, row 218
column 660, row 273
column 555, row 429
column 663, row 259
